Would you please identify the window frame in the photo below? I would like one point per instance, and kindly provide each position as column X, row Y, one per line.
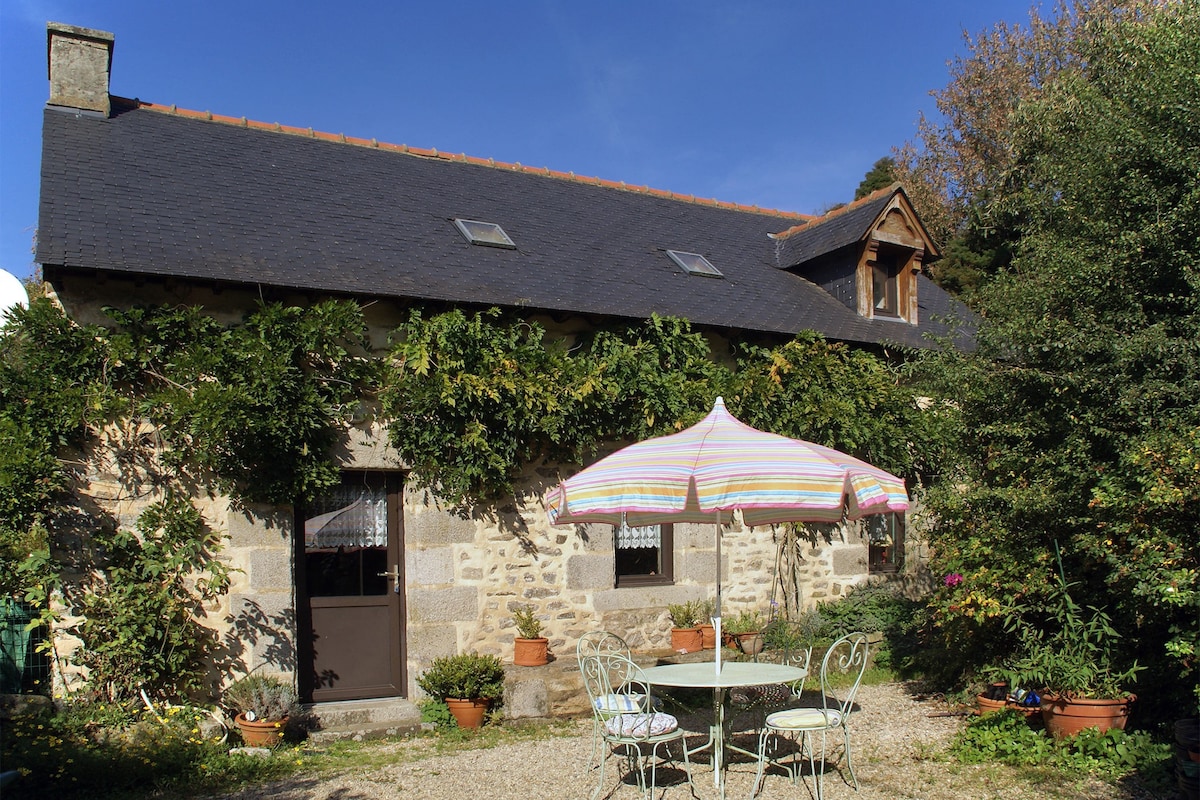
column 695, row 264
column 484, row 234
column 666, row 561
column 881, row 563
column 890, row 272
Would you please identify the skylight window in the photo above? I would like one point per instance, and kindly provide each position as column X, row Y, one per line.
column 694, row 264
column 488, row 234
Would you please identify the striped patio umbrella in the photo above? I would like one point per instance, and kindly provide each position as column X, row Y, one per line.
column 716, row 467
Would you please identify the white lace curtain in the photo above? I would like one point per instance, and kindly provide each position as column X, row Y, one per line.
column 348, row 516
column 647, row 536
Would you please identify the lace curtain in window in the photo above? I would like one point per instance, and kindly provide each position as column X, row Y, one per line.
column 347, row 516
column 648, row 536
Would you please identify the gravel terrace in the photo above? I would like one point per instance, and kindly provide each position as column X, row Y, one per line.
column 897, row 740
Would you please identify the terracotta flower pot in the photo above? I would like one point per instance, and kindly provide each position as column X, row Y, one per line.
column 686, row 640
column 261, row 733
column 708, row 636
column 750, row 643
column 467, row 713
column 1068, row 716
column 530, row 652
column 986, row 705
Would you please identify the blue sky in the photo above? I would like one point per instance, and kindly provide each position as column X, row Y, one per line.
column 782, row 104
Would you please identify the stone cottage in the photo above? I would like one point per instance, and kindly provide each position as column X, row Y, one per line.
column 148, row 203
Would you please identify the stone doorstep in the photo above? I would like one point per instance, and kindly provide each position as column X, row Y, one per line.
column 363, row 719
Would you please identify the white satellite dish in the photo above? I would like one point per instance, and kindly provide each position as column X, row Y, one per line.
column 12, row 294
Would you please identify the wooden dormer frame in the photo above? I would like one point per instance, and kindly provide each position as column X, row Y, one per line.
column 898, row 242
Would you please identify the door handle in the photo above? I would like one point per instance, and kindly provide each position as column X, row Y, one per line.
column 394, row 574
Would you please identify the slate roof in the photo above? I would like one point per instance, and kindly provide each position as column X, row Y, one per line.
column 174, row 194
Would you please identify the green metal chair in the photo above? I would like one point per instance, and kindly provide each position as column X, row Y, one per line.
column 636, row 729
column 752, row 704
column 847, row 656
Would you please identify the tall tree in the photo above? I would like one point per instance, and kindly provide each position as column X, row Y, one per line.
column 959, row 158
column 1080, row 409
column 882, row 174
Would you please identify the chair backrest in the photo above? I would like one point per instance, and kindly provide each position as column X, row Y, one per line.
column 594, row 643
column 845, row 657
column 615, row 685
column 798, row 657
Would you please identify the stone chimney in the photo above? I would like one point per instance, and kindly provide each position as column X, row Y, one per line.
column 80, row 60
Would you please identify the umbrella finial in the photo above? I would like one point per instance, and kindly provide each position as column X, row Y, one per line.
column 720, row 402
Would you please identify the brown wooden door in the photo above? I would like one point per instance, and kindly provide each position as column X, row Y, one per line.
column 350, row 581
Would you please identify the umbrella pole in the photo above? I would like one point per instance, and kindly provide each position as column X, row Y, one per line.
column 717, row 618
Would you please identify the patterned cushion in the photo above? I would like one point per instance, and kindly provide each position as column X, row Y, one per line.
column 771, row 694
column 641, row 725
column 798, row 718
column 624, row 703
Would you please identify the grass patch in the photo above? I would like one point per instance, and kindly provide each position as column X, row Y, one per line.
column 107, row 753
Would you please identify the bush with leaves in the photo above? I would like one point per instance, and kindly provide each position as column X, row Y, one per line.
column 182, row 401
column 1077, row 421
column 140, row 626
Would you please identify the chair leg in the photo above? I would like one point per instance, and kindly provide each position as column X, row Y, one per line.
column 849, row 761
column 824, row 756
column 600, row 781
column 763, row 737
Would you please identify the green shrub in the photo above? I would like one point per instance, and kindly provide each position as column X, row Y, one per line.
column 868, row 608
column 528, row 625
column 107, row 750
column 683, row 615
column 1007, row 738
column 267, row 697
column 744, row 622
column 466, row 676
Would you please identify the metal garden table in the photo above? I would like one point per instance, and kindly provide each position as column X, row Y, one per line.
column 731, row 674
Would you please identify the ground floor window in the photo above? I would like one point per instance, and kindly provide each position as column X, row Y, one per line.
column 885, row 537
column 643, row 555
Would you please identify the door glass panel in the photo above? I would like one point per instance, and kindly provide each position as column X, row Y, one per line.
column 345, row 542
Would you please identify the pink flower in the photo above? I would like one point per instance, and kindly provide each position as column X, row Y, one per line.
column 953, row 579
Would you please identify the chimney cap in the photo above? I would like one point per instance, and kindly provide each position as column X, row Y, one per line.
column 74, row 31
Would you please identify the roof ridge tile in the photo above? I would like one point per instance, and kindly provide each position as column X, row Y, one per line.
column 341, row 138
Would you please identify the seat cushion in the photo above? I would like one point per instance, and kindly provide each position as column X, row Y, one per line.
column 805, row 718
column 624, row 703
column 771, row 694
column 641, row 725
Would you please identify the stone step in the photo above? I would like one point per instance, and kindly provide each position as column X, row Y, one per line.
column 363, row 719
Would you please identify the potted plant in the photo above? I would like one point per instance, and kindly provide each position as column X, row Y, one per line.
column 466, row 683
column 261, row 705
column 530, row 647
column 685, row 636
column 1075, row 665
column 708, row 633
column 745, row 632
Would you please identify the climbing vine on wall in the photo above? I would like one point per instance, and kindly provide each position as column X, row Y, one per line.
column 181, row 403
column 471, row 397
column 175, row 402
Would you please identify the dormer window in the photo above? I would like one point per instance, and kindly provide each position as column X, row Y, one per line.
column 486, row 234
column 885, row 284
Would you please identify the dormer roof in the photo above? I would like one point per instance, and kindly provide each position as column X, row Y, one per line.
column 852, row 224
